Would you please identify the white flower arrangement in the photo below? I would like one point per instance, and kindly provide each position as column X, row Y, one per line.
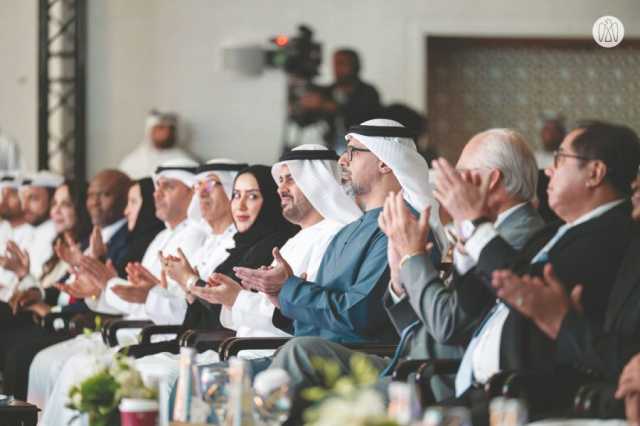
column 346, row 400
column 99, row 394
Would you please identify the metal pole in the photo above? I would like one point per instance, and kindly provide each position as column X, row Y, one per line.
column 79, row 160
column 43, row 84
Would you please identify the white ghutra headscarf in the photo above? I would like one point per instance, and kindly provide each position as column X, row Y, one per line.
column 226, row 170
column 315, row 170
column 393, row 144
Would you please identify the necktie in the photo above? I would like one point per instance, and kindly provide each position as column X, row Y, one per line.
column 543, row 254
column 464, row 377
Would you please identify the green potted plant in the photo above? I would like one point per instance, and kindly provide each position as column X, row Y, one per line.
column 98, row 395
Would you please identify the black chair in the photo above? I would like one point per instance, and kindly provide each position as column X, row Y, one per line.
column 56, row 321
column 202, row 340
column 74, row 322
column 231, row 347
column 597, row 400
column 205, row 339
column 110, row 329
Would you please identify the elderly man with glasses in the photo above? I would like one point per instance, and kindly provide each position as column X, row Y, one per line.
column 589, row 189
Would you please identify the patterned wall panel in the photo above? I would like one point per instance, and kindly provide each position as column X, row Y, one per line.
column 477, row 84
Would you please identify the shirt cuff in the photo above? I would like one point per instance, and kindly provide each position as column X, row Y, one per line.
column 480, row 238
column 463, row 262
column 394, row 296
column 286, row 294
column 226, row 318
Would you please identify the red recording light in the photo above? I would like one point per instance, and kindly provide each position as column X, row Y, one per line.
column 282, row 40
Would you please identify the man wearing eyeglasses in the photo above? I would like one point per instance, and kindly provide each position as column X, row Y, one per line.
column 344, row 302
column 589, row 189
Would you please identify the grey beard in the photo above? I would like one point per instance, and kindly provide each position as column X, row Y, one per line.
column 348, row 189
column 359, row 189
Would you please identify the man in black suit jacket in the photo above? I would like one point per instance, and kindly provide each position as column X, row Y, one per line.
column 589, row 188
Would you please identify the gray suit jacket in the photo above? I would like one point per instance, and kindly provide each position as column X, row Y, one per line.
column 448, row 316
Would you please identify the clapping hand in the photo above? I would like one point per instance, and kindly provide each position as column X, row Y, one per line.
column 464, row 196
column 97, row 247
column 22, row 299
column 141, row 281
column 266, row 280
column 68, row 250
column 220, row 289
column 15, row 260
column 178, row 268
column 629, row 382
column 543, row 301
column 408, row 234
column 97, row 272
column 80, row 288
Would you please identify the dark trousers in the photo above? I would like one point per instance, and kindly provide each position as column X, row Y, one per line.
column 22, row 345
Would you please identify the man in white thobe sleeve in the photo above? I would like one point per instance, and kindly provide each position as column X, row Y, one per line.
column 210, row 209
column 14, row 228
column 36, row 195
column 172, row 197
column 312, row 197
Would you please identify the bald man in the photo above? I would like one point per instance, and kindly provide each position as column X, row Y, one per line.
column 106, row 201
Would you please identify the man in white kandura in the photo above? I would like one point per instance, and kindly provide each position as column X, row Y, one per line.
column 139, row 297
column 162, row 137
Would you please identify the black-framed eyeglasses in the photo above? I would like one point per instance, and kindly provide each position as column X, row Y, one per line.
column 351, row 149
column 558, row 153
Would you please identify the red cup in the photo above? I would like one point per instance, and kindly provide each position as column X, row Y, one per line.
column 138, row 412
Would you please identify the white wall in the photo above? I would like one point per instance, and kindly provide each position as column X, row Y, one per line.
column 166, row 54
column 18, row 75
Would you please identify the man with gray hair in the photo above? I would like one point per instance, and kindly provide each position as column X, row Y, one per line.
column 438, row 318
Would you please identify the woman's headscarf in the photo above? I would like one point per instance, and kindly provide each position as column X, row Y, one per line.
column 147, row 224
column 78, row 194
column 253, row 247
column 270, row 218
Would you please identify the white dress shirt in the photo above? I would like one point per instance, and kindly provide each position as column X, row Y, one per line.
column 486, row 355
column 464, row 262
column 109, row 231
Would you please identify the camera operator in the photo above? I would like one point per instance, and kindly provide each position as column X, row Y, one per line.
column 346, row 102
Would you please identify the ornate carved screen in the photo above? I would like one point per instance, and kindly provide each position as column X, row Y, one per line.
column 475, row 84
